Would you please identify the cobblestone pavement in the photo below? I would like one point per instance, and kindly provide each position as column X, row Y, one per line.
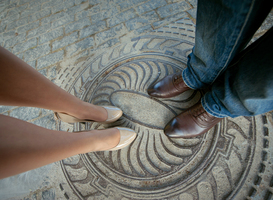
column 53, row 36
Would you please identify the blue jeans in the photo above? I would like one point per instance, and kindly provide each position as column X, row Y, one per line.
column 240, row 79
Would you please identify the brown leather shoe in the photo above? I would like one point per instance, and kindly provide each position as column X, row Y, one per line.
column 193, row 122
column 170, row 86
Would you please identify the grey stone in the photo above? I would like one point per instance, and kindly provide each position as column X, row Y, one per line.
column 17, row 23
column 172, row 1
column 40, row 14
column 62, row 7
column 22, row 21
column 77, row 25
column 96, row 9
column 6, row 108
column 103, row 15
column 28, row 27
column 52, row 72
column 24, row 183
column 77, row 2
column 32, row 63
column 25, row 113
column 1, row 39
column 2, row 7
column 267, row 24
column 21, row 55
column 94, row 2
column 136, row 2
column 193, row 3
column 144, row 29
column 53, row 17
column 38, row 31
column 51, row 35
column 10, row 19
column 84, row 44
column 193, row 12
column 82, row 14
column 25, row 46
column 172, row 9
column 90, row 30
column 17, row 10
column 65, row 41
column 15, row 40
column 37, row 52
column 110, row 34
column 110, row 43
column 43, row 72
column 52, row 4
column 48, row 194
column 46, row 111
column 2, row 28
column 11, row 5
column 30, row 11
column 64, row 20
column 73, row 10
column 150, row 5
column 14, row 1
column 169, row 19
column 21, row 2
column 142, row 21
column 3, row 14
column 125, row 5
column 122, row 17
column 50, row 59
column 37, row 3
column 47, row 122
column 10, row 34
column 5, row 113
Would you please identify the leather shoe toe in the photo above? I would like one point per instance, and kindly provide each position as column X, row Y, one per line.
column 191, row 123
column 170, row 86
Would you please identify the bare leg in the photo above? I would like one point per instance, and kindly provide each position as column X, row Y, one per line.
column 21, row 85
column 25, row 146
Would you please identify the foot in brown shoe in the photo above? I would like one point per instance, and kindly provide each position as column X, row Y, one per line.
column 169, row 86
column 193, row 122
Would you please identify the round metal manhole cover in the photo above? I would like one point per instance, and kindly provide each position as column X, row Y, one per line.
column 216, row 165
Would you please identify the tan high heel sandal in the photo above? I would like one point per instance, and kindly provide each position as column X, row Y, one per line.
column 127, row 136
column 114, row 114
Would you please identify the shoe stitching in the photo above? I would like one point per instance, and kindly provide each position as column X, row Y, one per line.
column 176, row 82
column 201, row 117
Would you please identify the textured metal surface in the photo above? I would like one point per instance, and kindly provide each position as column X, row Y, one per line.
column 232, row 161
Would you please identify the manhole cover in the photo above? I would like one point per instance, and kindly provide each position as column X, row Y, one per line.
column 230, row 161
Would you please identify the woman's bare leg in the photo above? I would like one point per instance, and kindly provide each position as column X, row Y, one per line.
column 21, row 85
column 25, row 146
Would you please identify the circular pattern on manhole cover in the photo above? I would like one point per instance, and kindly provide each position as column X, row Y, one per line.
column 216, row 165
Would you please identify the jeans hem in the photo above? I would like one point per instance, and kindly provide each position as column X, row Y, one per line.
column 209, row 110
column 186, row 81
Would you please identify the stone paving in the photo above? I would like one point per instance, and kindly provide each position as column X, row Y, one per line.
column 109, row 52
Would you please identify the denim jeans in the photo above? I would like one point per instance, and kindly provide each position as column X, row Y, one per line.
column 239, row 78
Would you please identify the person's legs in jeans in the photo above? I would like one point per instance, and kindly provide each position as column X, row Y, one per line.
column 223, row 29
column 246, row 87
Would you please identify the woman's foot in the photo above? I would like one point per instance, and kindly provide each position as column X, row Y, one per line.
column 89, row 112
column 108, row 139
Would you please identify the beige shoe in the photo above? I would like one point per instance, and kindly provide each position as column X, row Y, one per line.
column 114, row 114
column 127, row 136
